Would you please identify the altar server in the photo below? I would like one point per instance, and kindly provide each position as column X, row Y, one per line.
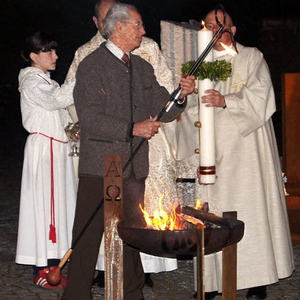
column 48, row 189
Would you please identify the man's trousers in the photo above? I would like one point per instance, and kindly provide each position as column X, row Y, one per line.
column 83, row 259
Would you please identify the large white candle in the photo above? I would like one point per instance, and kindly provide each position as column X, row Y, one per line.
column 206, row 117
column 204, row 37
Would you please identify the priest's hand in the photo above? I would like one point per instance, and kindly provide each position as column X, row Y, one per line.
column 146, row 129
column 187, row 86
column 213, row 98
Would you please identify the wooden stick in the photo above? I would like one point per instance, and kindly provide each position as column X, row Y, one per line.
column 200, row 263
column 65, row 258
column 202, row 215
column 229, row 266
column 113, row 212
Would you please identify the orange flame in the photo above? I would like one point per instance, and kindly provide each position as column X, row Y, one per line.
column 228, row 49
column 162, row 219
column 199, row 204
column 169, row 219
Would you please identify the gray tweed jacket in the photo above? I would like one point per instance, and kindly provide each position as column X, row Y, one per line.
column 109, row 97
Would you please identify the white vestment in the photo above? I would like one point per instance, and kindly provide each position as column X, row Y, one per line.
column 161, row 178
column 249, row 178
column 43, row 115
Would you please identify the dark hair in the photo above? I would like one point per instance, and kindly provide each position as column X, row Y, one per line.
column 96, row 8
column 97, row 5
column 216, row 5
column 36, row 43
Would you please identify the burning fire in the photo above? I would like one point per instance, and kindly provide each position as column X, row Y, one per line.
column 199, row 204
column 161, row 219
column 170, row 219
column 228, row 49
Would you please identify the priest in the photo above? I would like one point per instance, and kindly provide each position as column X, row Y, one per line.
column 248, row 169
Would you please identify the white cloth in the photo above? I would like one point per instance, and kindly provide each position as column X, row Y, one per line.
column 249, row 176
column 161, row 176
column 42, row 107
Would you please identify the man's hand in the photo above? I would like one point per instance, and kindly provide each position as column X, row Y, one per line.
column 187, row 86
column 213, row 98
column 72, row 131
column 146, row 129
column 74, row 138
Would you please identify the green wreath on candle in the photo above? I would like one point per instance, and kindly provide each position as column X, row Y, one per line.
column 215, row 70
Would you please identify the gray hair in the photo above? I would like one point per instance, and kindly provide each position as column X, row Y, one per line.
column 117, row 13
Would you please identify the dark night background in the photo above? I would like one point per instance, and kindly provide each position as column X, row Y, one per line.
column 273, row 26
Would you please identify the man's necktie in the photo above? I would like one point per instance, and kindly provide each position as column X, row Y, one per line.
column 126, row 59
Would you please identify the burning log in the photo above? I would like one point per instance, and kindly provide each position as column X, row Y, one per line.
column 192, row 220
column 202, row 215
column 234, row 228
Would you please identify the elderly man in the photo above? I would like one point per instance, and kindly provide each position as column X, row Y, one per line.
column 161, row 177
column 117, row 99
column 248, row 169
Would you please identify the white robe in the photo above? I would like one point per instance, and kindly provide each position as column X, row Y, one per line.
column 161, row 178
column 249, row 177
column 42, row 107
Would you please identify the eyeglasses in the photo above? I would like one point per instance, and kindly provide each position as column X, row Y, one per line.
column 137, row 25
column 216, row 27
column 212, row 27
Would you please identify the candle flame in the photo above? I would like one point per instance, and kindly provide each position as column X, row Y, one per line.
column 228, row 49
column 204, row 28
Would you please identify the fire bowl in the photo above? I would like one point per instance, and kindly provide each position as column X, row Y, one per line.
column 176, row 243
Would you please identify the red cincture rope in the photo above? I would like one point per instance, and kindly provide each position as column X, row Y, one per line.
column 52, row 231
